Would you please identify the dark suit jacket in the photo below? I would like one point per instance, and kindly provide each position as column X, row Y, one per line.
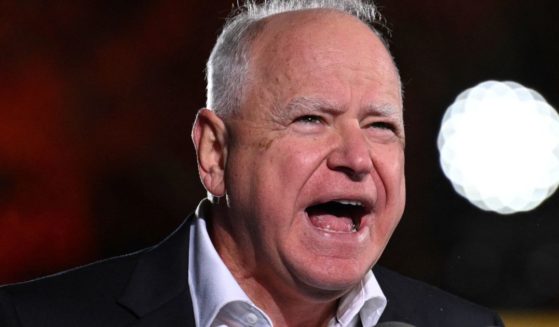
column 150, row 288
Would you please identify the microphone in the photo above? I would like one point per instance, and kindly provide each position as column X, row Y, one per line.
column 394, row 324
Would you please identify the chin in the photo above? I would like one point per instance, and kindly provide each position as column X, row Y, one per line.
column 331, row 278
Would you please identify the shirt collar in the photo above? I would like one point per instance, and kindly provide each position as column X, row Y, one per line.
column 212, row 285
column 365, row 300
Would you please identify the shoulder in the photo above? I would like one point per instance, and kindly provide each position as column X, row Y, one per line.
column 112, row 292
column 420, row 304
column 80, row 293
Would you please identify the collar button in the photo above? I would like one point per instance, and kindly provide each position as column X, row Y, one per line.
column 251, row 319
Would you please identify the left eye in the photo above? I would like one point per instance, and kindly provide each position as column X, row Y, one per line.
column 383, row 125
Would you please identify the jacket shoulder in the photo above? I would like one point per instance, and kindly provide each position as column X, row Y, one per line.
column 80, row 292
column 423, row 305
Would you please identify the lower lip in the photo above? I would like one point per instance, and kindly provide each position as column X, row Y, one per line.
column 355, row 236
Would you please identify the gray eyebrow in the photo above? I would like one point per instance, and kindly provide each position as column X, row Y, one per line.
column 306, row 102
column 388, row 111
column 312, row 103
column 384, row 110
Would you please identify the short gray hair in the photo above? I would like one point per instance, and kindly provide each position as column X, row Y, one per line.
column 228, row 62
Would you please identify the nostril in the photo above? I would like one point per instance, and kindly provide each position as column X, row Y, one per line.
column 352, row 174
column 352, row 157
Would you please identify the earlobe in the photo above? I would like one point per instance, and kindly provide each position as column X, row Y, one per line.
column 209, row 135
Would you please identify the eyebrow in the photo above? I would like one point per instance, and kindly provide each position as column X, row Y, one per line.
column 383, row 110
column 313, row 104
column 304, row 103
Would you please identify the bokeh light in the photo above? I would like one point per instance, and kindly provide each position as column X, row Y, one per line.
column 499, row 146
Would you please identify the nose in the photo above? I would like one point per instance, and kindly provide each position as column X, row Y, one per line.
column 352, row 154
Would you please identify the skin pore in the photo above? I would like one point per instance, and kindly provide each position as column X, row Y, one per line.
column 319, row 128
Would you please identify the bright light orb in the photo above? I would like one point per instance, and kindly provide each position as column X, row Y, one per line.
column 499, row 146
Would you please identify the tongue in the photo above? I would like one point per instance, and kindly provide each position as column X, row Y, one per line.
column 332, row 223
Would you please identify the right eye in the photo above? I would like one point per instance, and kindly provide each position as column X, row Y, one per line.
column 309, row 119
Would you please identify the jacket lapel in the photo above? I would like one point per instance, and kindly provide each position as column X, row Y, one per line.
column 157, row 292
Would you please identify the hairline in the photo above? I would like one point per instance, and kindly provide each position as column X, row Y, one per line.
column 226, row 101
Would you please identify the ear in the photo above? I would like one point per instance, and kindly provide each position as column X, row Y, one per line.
column 209, row 135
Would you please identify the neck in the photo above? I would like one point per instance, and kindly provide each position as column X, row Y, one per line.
column 287, row 305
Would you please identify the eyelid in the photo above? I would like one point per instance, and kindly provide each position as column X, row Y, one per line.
column 393, row 126
column 382, row 122
column 309, row 118
column 384, row 125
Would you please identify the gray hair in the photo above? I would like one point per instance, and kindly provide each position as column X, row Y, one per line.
column 228, row 62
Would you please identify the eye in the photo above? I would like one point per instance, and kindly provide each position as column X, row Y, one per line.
column 383, row 125
column 309, row 119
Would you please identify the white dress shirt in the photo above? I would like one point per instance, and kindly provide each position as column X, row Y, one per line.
column 219, row 301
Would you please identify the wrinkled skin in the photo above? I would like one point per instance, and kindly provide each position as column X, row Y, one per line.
column 320, row 120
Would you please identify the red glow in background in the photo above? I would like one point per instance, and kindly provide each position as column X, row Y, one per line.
column 97, row 99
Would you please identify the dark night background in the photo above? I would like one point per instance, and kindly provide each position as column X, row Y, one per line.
column 97, row 99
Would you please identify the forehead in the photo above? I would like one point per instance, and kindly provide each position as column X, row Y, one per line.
column 313, row 49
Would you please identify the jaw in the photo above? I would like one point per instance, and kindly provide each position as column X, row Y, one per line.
column 330, row 263
column 326, row 261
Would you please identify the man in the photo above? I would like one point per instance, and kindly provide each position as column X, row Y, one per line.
column 302, row 155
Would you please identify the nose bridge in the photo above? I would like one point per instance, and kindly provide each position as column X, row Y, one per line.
column 352, row 153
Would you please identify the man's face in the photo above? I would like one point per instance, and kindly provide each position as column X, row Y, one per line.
column 314, row 175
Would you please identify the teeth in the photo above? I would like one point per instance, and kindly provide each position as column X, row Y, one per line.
column 351, row 203
column 355, row 225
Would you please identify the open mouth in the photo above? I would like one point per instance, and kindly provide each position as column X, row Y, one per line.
column 337, row 216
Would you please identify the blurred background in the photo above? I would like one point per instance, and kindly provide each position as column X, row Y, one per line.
column 97, row 99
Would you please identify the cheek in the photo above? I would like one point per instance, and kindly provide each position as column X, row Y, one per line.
column 391, row 173
column 270, row 167
column 285, row 169
column 295, row 160
column 389, row 163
